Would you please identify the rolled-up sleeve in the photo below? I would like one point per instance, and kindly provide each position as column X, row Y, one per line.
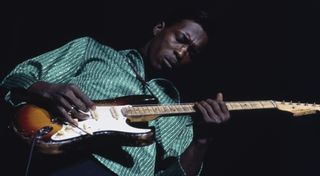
column 59, row 64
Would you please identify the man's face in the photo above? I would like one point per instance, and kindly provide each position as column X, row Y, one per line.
column 175, row 45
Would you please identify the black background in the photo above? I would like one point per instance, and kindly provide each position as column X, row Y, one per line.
column 260, row 50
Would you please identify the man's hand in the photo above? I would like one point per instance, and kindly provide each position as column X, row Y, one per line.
column 212, row 112
column 66, row 100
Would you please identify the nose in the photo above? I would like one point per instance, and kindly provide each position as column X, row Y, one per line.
column 181, row 52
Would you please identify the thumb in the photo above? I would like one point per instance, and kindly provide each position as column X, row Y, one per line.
column 219, row 97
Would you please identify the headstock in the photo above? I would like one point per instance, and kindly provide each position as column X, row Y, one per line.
column 297, row 109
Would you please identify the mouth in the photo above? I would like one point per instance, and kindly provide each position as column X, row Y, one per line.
column 170, row 62
column 167, row 63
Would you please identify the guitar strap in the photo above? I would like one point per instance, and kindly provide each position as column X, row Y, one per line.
column 139, row 77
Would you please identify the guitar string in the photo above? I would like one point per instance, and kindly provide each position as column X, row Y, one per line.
column 75, row 125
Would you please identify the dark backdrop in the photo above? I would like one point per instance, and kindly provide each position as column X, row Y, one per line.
column 260, row 50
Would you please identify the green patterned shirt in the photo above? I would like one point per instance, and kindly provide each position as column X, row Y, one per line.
column 103, row 73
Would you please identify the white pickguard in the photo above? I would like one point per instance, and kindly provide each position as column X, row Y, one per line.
column 104, row 118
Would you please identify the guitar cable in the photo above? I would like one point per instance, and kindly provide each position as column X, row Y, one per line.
column 39, row 135
column 139, row 77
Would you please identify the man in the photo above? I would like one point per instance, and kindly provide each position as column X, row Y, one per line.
column 68, row 79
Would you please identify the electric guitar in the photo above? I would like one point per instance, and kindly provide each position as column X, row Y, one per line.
column 114, row 120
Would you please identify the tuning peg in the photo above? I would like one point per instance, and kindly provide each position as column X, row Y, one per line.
column 283, row 102
column 290, row 103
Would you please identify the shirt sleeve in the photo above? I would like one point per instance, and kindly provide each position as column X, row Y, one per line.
column 54, row 66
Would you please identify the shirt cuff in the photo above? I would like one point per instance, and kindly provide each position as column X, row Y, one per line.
column 19, row 80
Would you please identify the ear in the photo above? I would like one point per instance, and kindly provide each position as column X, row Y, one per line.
column 158, row 28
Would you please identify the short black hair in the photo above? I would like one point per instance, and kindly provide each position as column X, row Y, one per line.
column 199, row 16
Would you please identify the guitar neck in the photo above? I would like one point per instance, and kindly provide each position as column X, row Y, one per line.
column 188, row 108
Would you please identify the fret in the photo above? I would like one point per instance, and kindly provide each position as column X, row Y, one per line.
column 137, row 110
column 149, row 109
column 188, row 108
column 179, row 109
column 234, row 106
column 267, row 104
column 156, row 109
column 167, row 108
column 143, row 110
column 185, row 108
column 161, row 109
column 244, row 105
column 255, row 105
column 172, row 109
column 229, row 106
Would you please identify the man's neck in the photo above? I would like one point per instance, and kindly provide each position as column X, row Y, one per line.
column 149, row 72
